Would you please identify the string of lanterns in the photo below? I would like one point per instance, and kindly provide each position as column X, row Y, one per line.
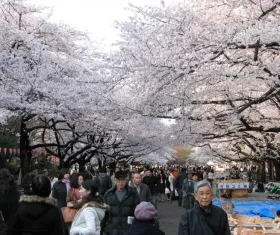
column 10, row 151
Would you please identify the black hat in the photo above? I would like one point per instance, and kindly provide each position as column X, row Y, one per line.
column 120, row 175
column 88, row 184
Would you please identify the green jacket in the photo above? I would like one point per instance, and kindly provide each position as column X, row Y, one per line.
column 116, row 219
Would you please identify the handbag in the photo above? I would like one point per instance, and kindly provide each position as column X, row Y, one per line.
column 68, row 214
column 167, row 191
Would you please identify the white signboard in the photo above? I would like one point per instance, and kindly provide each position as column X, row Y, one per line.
column 233, row 185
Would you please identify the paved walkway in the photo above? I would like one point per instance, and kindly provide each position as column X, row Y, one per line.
column 169, row 216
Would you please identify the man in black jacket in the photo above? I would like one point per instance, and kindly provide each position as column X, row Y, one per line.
column 204, row 218
column 104, row 181
column 179, row 184
column 141, row 188
column 151, row 181
column 122, row 201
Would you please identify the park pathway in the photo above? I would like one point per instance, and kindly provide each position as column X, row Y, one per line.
column 169, row 216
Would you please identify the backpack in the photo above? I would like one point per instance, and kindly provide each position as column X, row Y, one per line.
column 3, row 225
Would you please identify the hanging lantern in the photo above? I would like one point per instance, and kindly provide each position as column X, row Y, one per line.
column 18, row 151
column 0, row 149
column 10, row 151
column 14, row 151
column 5, row 150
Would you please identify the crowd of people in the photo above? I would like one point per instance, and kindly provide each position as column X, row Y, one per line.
column 115, row 202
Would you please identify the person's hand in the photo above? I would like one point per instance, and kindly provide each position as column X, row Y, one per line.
column 69, row 204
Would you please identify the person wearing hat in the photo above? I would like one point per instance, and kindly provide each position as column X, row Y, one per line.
column 37, row 212
column 188, row 192
column 122, row 201
column 204, row 218
column 89, row 217
column 145, row 218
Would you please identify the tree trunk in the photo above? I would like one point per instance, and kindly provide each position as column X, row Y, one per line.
column 263, row 172
column 276, row 164
column 62, row 164
column 270, row 170
column 25, row 152
column 82, row 166
column 99, row 163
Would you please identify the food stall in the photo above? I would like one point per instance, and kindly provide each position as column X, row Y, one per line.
column 233, row 188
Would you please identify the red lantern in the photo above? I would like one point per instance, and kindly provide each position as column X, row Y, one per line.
column 18, row 151
column 10, row 151
column 14, row 151
column 5, row 150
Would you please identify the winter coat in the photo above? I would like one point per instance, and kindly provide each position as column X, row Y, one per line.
column 88, row 219
column 151, row 181
column 119, row 210
column 197, row 221
column 188, row 187
column 144, row 228
column 104, row 181
column 145, row 194
column 37, row 215
column 9, row 203
column 180, row 179
column 59, row 192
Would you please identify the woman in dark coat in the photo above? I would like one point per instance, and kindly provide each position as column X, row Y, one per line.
column 37, row 213
column 161, row 181
column 61, row 187
column 9, row 197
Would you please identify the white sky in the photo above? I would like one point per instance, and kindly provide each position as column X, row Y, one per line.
column 95, row 16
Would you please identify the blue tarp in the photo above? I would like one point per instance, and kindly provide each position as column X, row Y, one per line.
column 252, row 208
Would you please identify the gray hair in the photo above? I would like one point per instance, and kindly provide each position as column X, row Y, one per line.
column 201, row 184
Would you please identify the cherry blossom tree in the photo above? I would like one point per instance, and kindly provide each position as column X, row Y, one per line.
column 213, row 66
column 47, row 70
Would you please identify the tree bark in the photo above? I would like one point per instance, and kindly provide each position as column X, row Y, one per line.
column 276, row 165
column 25, row 152
column 270, row 170
column 82, row 166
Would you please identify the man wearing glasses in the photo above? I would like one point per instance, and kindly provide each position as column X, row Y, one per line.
column 122, row 201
